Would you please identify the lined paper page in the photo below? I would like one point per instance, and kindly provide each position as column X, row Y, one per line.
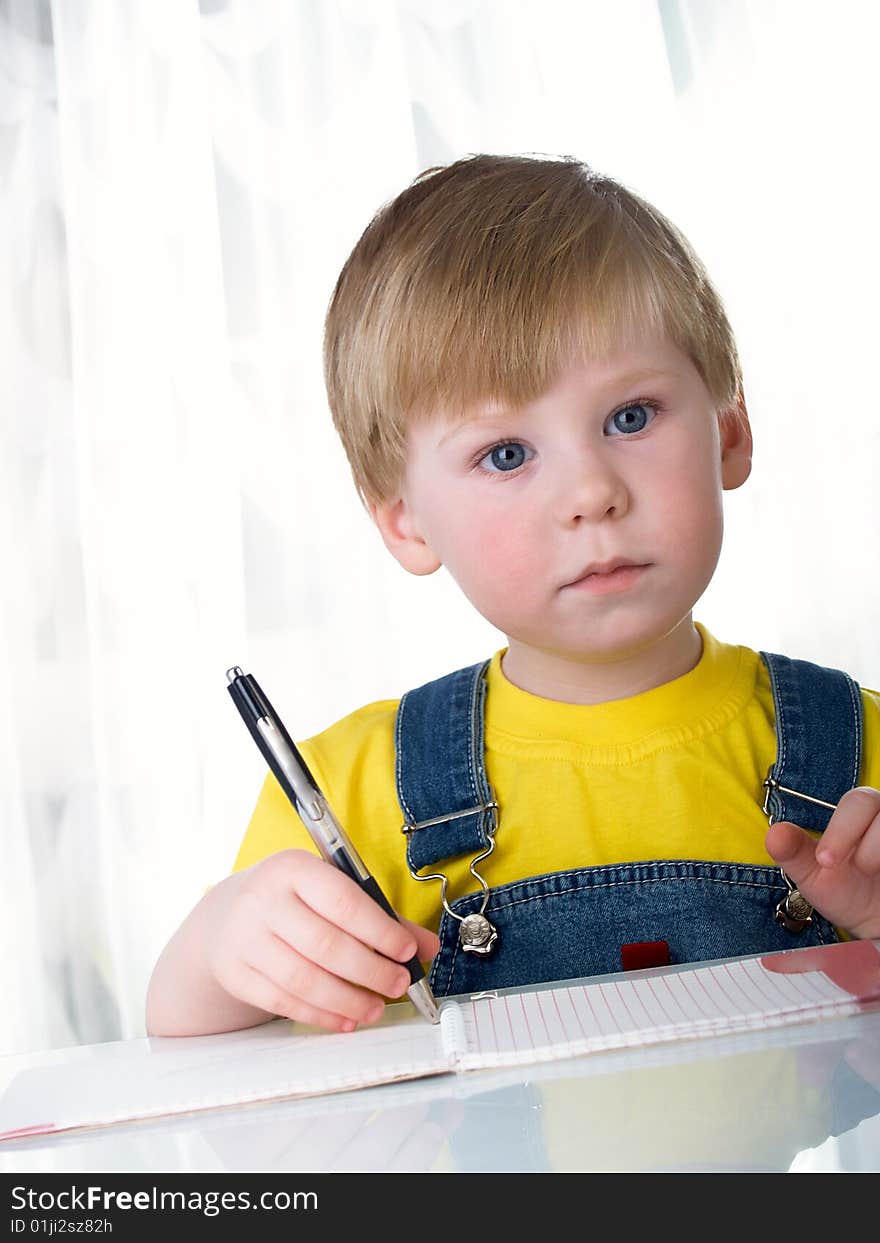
column 169, row 1076
column 563, row 1022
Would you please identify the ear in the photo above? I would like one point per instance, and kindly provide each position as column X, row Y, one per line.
column 736, row 444
column 402, row 536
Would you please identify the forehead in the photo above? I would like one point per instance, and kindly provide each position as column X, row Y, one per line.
column 613, row 374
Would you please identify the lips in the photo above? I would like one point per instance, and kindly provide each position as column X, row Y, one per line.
column 621, row 578
column 603, row 567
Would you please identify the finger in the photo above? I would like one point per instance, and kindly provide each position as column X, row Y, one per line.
column 427, row 942
column 335, row 896
column 867, row 854
column 794, row 850
column 335, row 950
column 854, row 813
column 297, row 976
column 251, row 986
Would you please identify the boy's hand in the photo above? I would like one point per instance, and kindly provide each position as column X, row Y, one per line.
column 294, row 936
column 840, row 873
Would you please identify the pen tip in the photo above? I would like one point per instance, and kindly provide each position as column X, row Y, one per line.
column 423, row 999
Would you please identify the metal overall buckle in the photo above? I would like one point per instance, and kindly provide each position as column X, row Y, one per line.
column 794, row 912
column 476, row 934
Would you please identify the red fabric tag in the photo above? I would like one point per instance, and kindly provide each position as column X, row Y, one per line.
column 644, row 954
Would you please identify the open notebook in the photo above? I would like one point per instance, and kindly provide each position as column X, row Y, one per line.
column 145, row 1079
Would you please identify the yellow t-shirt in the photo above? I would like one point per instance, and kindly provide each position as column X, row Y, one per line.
column 675, row 772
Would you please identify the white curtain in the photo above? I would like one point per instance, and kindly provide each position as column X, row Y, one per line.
column 179, row 186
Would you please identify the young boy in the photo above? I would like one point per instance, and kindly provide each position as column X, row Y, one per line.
column 537, row 387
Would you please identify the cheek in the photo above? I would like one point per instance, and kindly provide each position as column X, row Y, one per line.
column 689, row 496
column 486, row 548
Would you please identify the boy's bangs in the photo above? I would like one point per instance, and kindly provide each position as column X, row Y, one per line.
column 512, row 346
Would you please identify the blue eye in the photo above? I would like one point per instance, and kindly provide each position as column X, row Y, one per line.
column 505, row 457
column 633, row 418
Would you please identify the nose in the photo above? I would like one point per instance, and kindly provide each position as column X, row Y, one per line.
column 591, row 488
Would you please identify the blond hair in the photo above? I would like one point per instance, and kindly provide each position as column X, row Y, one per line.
column 483, row 279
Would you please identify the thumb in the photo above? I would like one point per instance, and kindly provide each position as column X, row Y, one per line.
column 793, row 849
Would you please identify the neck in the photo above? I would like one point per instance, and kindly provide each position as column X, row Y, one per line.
column 590, row 680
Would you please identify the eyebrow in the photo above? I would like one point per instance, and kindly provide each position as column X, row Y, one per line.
column 644, row 373
column 618, row 381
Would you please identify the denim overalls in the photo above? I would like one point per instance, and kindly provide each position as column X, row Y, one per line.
column 563, row 925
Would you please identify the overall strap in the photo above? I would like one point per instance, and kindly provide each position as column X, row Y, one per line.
column 818, row 740
column 440, row 770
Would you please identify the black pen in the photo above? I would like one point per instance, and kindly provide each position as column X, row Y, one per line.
column 312, row 807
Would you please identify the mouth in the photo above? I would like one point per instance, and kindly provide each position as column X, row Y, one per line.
column 613, row 576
